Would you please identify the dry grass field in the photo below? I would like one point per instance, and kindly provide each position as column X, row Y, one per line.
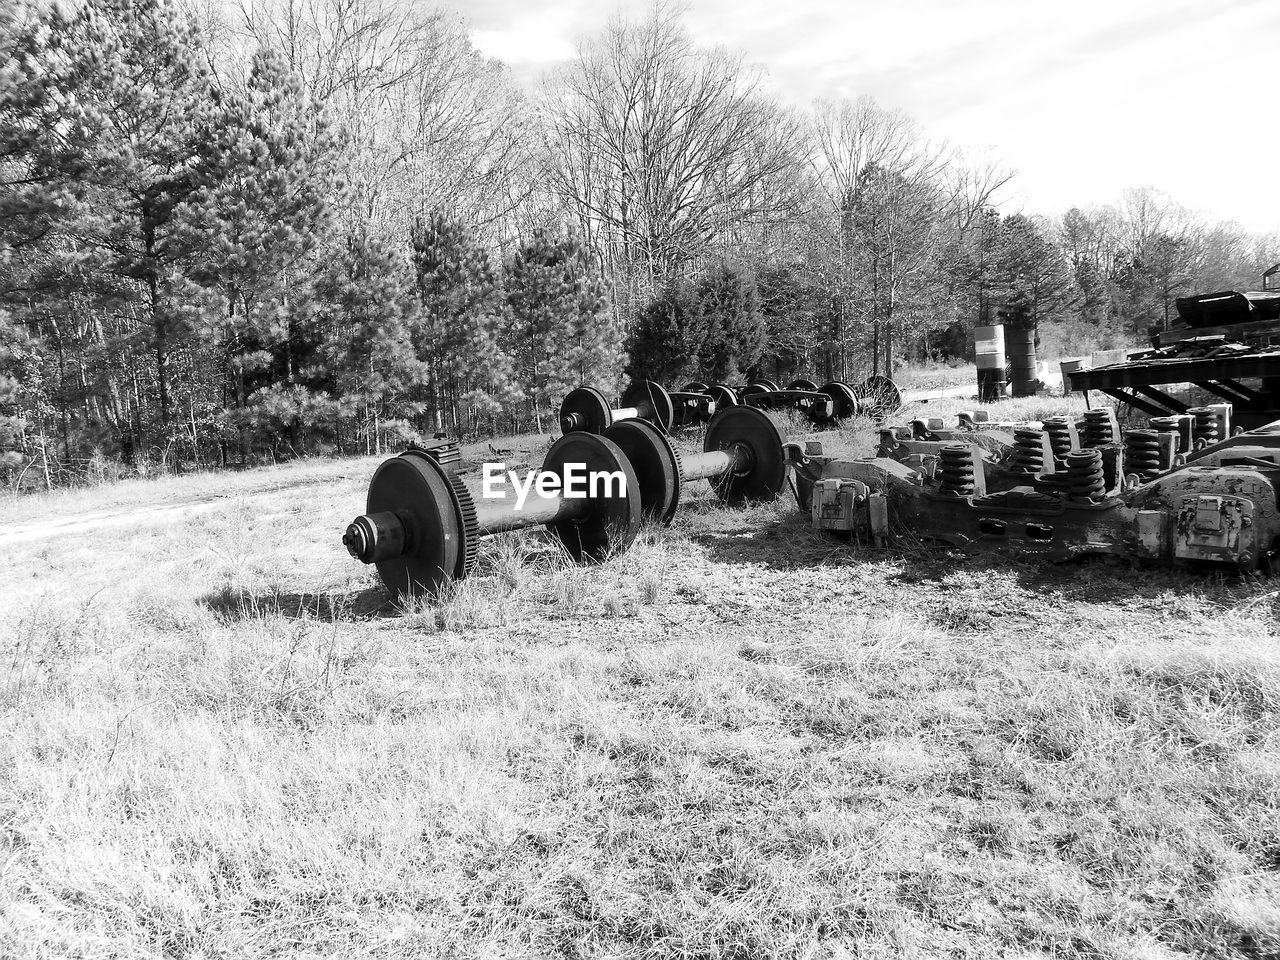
column 738, row 740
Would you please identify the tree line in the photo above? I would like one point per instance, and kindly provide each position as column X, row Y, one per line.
column 228, row 235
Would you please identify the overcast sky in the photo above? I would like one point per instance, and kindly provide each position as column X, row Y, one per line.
column 1081, row 98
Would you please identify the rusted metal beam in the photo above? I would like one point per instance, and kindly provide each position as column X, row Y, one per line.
column 1160, row 397
column 1253, row 396
column 1177, row 370
column 1124, row 396
column 1220, row 389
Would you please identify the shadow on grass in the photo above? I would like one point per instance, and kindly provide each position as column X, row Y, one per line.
column 791, row 543
column 239, row 604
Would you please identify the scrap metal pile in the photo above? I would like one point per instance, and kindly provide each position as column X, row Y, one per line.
column 1181, row 491
column 1226, row 344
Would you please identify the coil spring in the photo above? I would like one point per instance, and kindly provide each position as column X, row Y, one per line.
column 1142, row 452
column 956, row 469
column 1206, row 427
column 1085, row 478
column 1059, row 430
column 1028, row 454
column 1097, row 428
column 1168, row 425
column 1181, row 426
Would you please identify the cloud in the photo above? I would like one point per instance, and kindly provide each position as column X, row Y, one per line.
column 522, row 36
column 1084, row 99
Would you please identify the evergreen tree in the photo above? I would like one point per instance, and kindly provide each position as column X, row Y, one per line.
column 262, row 217
column 462, row 325
column 731, row 329
column 134, row 144
column 663, row 340
column 1032, row 277
column 563, row 329
column 973, row 264
column 1166, row 263
column 370, row 313
column 38, row 133
column 1087, row 248
column 17, row 381
column 795, row 314
column 595, row 338
column 900, row 228
column 19, row 221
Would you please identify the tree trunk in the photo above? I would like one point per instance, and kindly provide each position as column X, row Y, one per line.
column 63, row 412
column 158, row 323
column 888, row 335
column 44, row 457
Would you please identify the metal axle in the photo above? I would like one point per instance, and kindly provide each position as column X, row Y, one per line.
column 496, row 516
column 588, row 410
column 735, row 459
column 570, row 422
column 422, row 526
column 742, row 457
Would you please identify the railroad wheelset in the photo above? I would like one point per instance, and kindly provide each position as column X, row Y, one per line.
column 843, row 397
column 692, row 406
column 742, row 457
column 763, row 393
column 421, row 526
column 876, row 396
column 721, row 394
column 763, row 385
column 818, row 407
column 588, row 410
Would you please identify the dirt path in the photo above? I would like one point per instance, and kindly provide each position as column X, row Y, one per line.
column 136, row 514
column 939, row 393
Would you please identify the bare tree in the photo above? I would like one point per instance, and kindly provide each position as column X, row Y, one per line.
column 974, row 186
column 852, row 135
column 662, row 150
column 430, row 122
column 890, row 194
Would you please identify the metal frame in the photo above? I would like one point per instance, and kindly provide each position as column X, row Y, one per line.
column 1136, row 383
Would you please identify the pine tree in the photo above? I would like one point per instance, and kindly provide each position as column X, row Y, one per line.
column 39, row 159
column 731, row 330
column 17, row 382
column 1032, row 278
column 794, row 313
column 20, row 220
column 1087, row 247
column 563, row 332
column 370, row 313
column 663, row 340
column 267, row 209
column 899, row 232
column 462, row 325
column 138, row 130
column 1166, row 269
column 47, row 272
